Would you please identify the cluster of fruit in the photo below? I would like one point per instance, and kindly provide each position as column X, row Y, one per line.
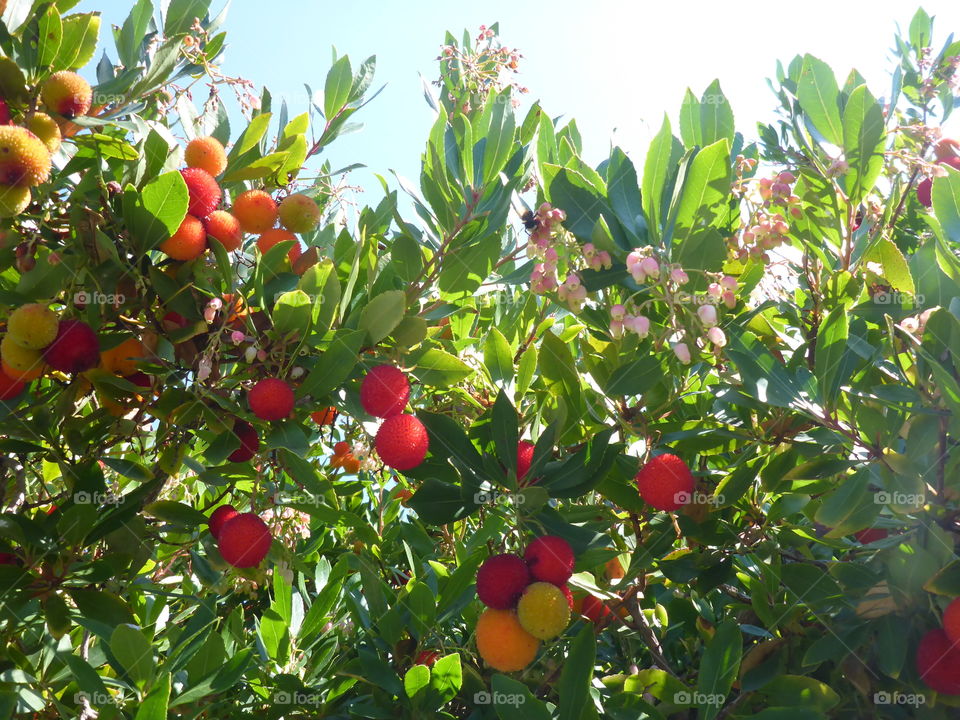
column 253, row 211
column 527, row 601
column 938, row 654
column 243, row 539
column 25, row 149
column 401, row 441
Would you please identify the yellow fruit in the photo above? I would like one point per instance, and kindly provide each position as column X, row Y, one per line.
column 24, row 159
column 19, row 362
column 299, row 213
column 13, row 200
column 67, row 94
column 122, row 359
column 207, row 154
column 543, row 610
column 33, row 326
column 45, row 128
column 503, row 643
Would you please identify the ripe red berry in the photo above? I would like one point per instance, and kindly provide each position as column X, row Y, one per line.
column 938, row 662
column 665, row 482
column 524, row 460
column 951, row 621
column 567, row 594
column 75, row 349
column 595, row 609
column 924, row 192
column 244, row 540
column 426, row 657
column 550, row 559
column 249, row 442
column 869, row 535
column 10, row 388
column 341, row 448
column 8, row 559
column 204, row 192
column 271, row 399
column 501, row 580
column 402, row 442
column 384, row 391
column 218, row 517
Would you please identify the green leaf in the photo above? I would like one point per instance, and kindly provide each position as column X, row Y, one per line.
column 292, row 312
column 50, row 35
column 80, row 35
column 382, row 314
column 635, row 377
column 798, row 691
column 576, row 677
column 336, row 90
column 335, row 365
column 662, row 158
column 182, row 13
column 498, row 143
column 128, row 468
column 154, row 214
column 831, row 347
column 416, row 681
column 716, row 116
column 690, row 129
column 252, row 135
column 407, row 258
column 817, row 92
column 896, row 270
column 525, row 369
column 438, row 503
column 921, row 29
column 505, row 431
column 446, row 678
column 850, row 507
column 518, row 703
column 497, row 357
column 719, row 668
column 134, row 653
column 706, row 189
column 440, row 369
column 946, row 202
column 130, row 36
column 862, row 143
column 176, row 512
column 154, row 706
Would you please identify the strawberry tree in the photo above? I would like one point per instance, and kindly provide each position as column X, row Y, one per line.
column 673, row 435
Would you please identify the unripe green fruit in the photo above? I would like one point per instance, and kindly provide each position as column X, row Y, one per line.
column 299, row 213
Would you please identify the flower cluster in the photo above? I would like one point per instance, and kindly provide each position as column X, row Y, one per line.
column 767, row 228
column 470, row 75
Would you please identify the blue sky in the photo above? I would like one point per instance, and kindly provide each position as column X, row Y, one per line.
column 614, row 66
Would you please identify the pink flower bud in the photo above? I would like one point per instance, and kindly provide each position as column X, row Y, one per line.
column 616, row 328
column 250, row 354
column 786, row 177
column 261, row 355
column 717, row 336
column 589, row 250
column 650, row 267
column 679, row 276
column 605, row 260
column 682, row 352
column 639, row 324
column 729, row 299
column 714, row 290
column 237, row 337
column 550, row 255
column 618, row 312
column 728, row 282
column 634, row 258
column 707, row 315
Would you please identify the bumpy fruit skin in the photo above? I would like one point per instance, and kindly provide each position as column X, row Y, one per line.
column 501, row 580
column 665, row 482
column 565, row 589
column 224, row 227
column 218, row 517
column 341, row 448
column 543, row 610
column 122, row 359
column 24, row 159
column 550, row 559
column 402, row 442
column 595, row 610
column 4, row 112
column 206, row 153
column 249, row 442
column 951, row 621
column 503, row 643
column 67, row 94
column 46, row 130
column 10, row 388
column 19, row 363
column 33, row 326
column 938, row 663
column 271, row 399
column 299, row 213
column 189, row 241
column 524, row 460
column 384, row 391
column 75, row 349
column 256, row 211
column 271, row 237
column 204, row 192
column 13, row 200
column 244, row 540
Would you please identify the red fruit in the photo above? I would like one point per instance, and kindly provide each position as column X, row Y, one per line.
column 75, row 349
column 173, row 319
column 665, row 482
column 384, row 391
column 218, row 517
column 402, row 442
column 869, row 535
column 341, row 448
column 524, row 460
column 188, row 242
column 271, row 237
column 924, row 189
column 10, row 388
column 938, row 663
column 204, row 192
column 947, row 149
column 256, row 211
column 951, row 621
column 550, row 559
column 567, row 594
column 4, row 113
column 271, row 399
column 141, row 379
column 8, row 559
column 595, row 609
column 224, row 227
column 326, row 416
column 501, row 581
column 426, row 657
column 244, row 540
column 249, row 442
